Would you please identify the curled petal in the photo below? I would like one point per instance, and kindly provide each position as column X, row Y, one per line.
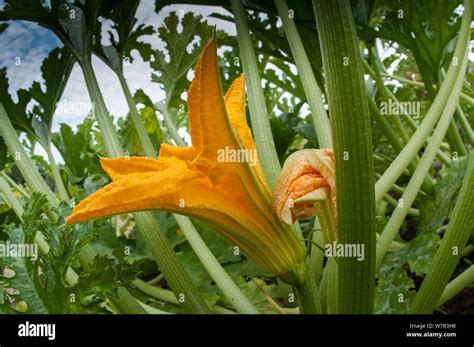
column 307, row 176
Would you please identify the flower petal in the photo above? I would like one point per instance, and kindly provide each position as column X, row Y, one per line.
column 123, row 166
column 303, row 176
column 209, row 125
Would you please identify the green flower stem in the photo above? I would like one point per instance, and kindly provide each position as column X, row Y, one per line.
column 411, row 191
column 308, row 294
column 211, row 264
column 126, row 303
column 465, row 279
column 465, row 125
column 145, row 140
column 260, row 121
column 22, row 160
column 10, row 198
column 63, row 194
column 454, row 240
column 214, row 268
column 167, row 295
column 156, row 241
column 313, row 93
column 441, row 100
column 351, row 132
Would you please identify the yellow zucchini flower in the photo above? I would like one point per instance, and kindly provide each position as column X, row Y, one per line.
column 218, row 180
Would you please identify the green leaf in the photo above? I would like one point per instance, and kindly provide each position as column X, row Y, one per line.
column 124, row 21
column 435, row 211
column 426, row 27
column 181, row 51
column 55, row 69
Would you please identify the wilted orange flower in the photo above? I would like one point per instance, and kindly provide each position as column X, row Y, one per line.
column 307, row 177
column 216, row 180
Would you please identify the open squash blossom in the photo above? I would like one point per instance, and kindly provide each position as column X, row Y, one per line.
column 218, row 180
column 307, row 177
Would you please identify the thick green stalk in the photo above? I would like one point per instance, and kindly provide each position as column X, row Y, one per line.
column 176, row 276
column 314, row 96
column 308, row 295
column 413, row 187
column 465, row 279
column 211, row 264
column 63, row 195
column 145, row 140
column 351, row 131
column 454, row 240
column 214, row 268
column 22, row 160
column 445, row 93
column 156, row 241
column 260, row 121
column 126, row 303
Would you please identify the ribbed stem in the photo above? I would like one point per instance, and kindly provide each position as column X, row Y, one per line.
column 314, row 96
column 351, row 132
column 454, row 240
column 260, row 121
